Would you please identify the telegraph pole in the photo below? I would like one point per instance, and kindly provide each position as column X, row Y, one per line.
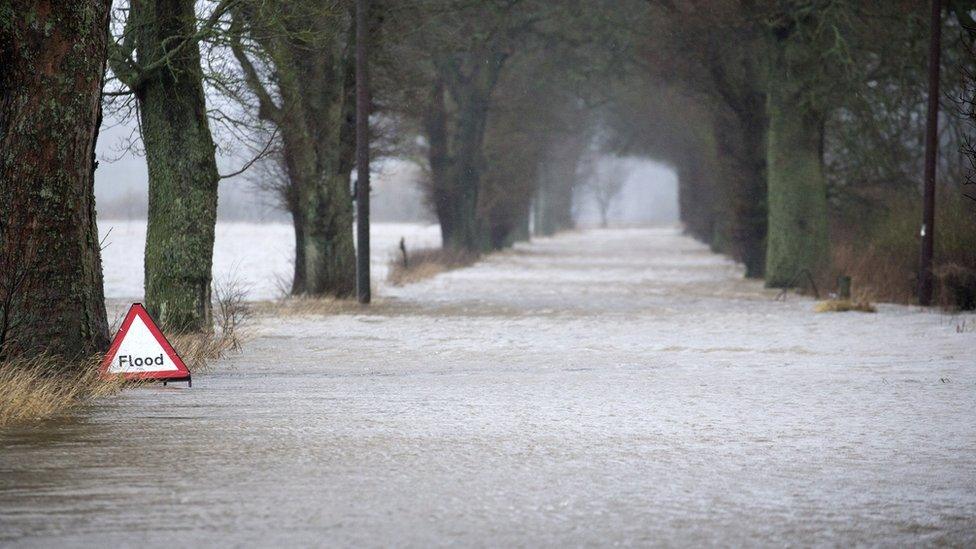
column 362, row 156
column 931, row 155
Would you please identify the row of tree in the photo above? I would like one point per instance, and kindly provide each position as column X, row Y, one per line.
column 795, row 114
column 772, row 112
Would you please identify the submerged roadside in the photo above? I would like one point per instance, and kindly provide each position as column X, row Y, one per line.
column 43, row 387
column 596, row 388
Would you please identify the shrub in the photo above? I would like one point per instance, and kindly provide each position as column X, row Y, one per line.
column 426, row 263
column 880, row 252
column 957, row 287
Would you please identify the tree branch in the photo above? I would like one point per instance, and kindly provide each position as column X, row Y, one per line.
column 267, row 110
column 260, row 155
column 132, row 74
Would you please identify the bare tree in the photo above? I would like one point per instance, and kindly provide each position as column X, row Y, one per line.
column 605, row 186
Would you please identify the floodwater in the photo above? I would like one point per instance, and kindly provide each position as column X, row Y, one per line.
column 256, row 257
column 598, row 388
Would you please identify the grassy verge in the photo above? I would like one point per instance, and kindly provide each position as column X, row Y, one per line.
column 426, row 263
column 33, row 388
column 843, row 306
column 41, row 387
column 880, row 252
column 305, row 305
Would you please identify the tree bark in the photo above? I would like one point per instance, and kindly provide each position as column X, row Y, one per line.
column 52, row 56
column 521, row 232
column 797, row 239
column 326, row 204
column 182, row 168
column 459, row 178
column 472, row 117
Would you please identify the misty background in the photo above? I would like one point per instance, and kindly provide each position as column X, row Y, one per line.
column 648, row 195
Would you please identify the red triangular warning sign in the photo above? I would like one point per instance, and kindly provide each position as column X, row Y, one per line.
column 140, row 351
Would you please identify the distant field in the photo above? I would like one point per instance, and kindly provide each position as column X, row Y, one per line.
column 256, row 255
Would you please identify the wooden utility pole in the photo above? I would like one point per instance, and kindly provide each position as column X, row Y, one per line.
column 362, row 156
column 931, row 155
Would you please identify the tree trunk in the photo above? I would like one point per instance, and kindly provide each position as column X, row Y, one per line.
column 322, row 217
column 440, row 161
column 557, row 180
column 539, row 223
column 52, row 56
column 330, row 254
column 298, row 279
column 182, row 169
column 797, row 238
column 521, row 233
column 696, row 202
column 316, row 121
column 457, row 146
column 465, row 177
column 325, row 209
column 742, row 150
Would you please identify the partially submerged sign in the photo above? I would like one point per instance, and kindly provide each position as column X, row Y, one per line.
column 140, row 351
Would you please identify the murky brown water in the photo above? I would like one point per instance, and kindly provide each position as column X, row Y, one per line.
column 599, row 388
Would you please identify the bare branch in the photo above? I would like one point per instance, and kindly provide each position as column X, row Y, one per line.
column 267, row 110
column 263, row 153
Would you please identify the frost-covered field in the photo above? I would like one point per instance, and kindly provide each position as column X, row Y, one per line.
column 258, row 256
column 598, row 388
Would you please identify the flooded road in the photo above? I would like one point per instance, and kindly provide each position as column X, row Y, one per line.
column 607, row 387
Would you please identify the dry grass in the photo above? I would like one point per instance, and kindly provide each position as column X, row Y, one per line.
column 38, row 388
column 888, row 275
column 957, row 286
column 880, row 253
column 426, row 263
column 843, row 306
column 43, row 387
column 231, row 311
column 199, row 350
column 305, row 305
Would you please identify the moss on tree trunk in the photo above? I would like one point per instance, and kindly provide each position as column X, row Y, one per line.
column 330, row 254
column 182, row 169
column 52, row 56
column 319, row 165
column 797, row 199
